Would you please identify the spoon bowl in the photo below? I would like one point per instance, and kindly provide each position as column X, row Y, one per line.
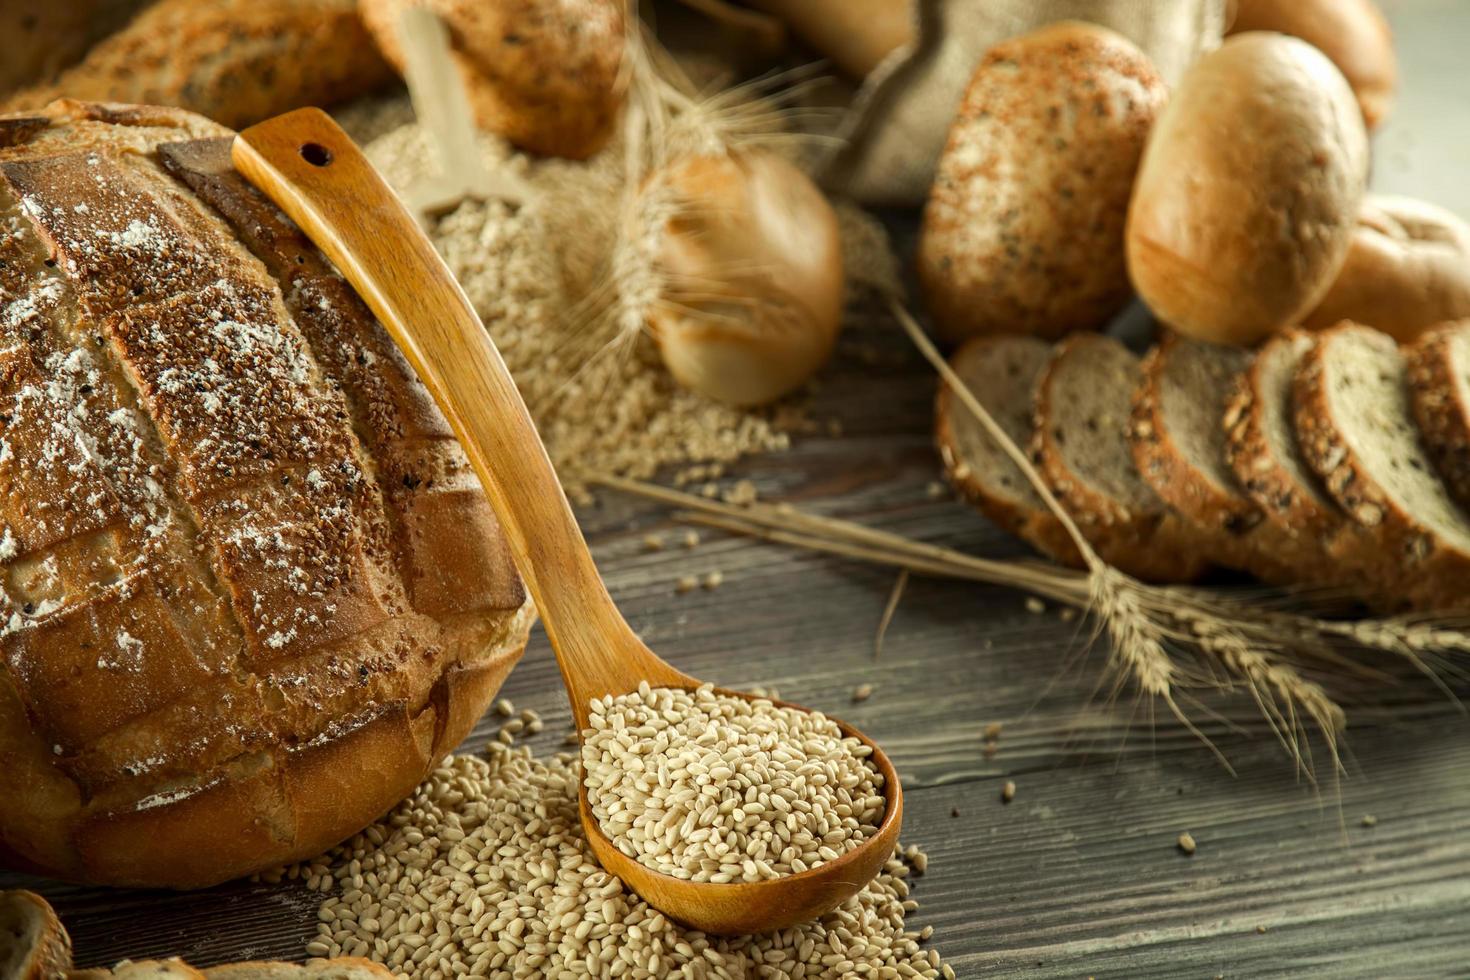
column 311, row 170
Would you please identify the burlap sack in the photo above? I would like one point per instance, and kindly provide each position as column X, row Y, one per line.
column 897, row 127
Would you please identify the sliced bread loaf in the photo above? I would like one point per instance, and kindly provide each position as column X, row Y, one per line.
column 1080, row 444
column 1001, row 372
column 1356, row 428
column 1439, row 384
column 1179, row 441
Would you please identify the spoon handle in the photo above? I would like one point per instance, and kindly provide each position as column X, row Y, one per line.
column 312, row 170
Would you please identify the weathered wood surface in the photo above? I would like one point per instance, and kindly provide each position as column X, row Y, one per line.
column 1079, row 875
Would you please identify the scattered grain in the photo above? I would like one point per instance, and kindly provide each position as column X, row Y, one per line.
column 505, row 707
column 1369, row 820
column 742, row 494
column 935, row 490
column 1035, row 606
column 709, row 787
column 686, row 583
column 1186, row 842
column 691, row 539
column 653, row 542
column 713, row 579
column 993, row 730
column 1008, row 791
column 862, row 692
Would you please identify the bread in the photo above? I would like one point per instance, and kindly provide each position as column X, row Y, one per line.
column 1353, row 33
column 1355, row 423
column 42, row 38
column 1179, row 440
column 250, row 589
column 1407, row 269
column 1024, row 224
column 1080, row 444
column 1439, row 385
column 1248, row 192
column 548, row 75
column 235, row 61
column 33, row 945
column 1001, row 372
column 172, row 969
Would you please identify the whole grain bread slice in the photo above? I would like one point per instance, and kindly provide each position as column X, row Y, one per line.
column 1439, row 386
column 1179, row 444
column 1080, row 444
column 1356, row 427
column 1001, row 371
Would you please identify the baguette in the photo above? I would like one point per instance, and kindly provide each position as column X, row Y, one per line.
column 33, row 945
column 234, row 61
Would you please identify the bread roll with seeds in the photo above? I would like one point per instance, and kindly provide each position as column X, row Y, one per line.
column 1439, row 385
column 234, row 61
column 1355, row 421
column 1248, row 192
column 1353, row 33
column 545, row 74
column 1024, row 224
column 1080, row 444
column 1407, row 269
column 251, row 591
column 1001, row 372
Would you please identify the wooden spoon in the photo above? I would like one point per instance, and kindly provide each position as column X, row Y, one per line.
column 312, row 170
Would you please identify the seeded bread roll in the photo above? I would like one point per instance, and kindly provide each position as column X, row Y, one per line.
column 1001, row 372
column 1178, row 439
column 250, row 588
column 1356, row 426
column 1024, row 224
column 234, row 61
column 1080, row 444
column 545, row 74
column 1353, row 33
column 33, row 945
column 1248, row 192
column 1439, row 383
column 1407, row 269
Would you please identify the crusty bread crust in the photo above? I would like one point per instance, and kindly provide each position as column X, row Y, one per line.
column 1434, row 570
column 1153, row 544
column 1438, row 388
column 1023, row 226
column 234, row 61
column 1231, row 525
column 249, row 647
column 339, row 968
column 33, row 944
column 548, row 76
column 1036, row 525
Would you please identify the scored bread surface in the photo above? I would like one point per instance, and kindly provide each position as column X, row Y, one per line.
column 1001, row 372
column 1357, row 430
column 249, row 588
column 1080, row 444
column 1439, row 383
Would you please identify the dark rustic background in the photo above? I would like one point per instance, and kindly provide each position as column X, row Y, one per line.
column 1080, row 875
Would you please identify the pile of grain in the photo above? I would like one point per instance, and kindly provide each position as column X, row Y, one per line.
column 484, row 871
column 536, row 275
column 708, row 787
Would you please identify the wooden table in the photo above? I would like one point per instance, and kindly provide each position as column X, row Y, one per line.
column 1079, row 875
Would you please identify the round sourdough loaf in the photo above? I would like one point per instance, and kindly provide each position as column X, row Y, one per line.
column 250, row 589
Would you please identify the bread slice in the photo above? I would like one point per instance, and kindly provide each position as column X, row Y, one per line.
column 174, row 969
column 1001, row 371
column 1356, row 427
column 1439, row 384
column 1179, row 444
column 1080, row 444
column 33, row 945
